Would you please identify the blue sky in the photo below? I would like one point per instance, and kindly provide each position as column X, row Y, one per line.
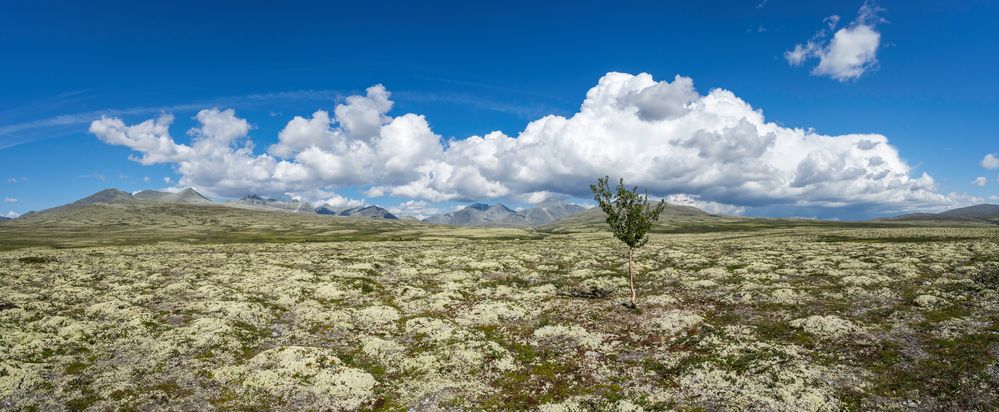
column 473, row 67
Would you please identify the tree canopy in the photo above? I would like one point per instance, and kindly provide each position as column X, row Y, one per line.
column 628, row 212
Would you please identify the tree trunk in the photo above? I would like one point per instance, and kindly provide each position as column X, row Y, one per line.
column 631, row 276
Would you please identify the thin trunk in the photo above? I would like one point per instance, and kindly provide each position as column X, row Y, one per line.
column 631, row 277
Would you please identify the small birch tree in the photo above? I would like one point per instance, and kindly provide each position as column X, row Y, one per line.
column 630, row 218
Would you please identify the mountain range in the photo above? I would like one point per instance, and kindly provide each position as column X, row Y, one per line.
column 187, row 196
column 549, row 215
column 481, row 214
column 377, row 212
column 114, row 196
column 258, row 202
column 984, row 213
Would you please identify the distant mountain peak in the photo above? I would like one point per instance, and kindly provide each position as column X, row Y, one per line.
column 481, row 214
column 186, row 196
column 369, row 211
column 106, row 196
column 502, row 207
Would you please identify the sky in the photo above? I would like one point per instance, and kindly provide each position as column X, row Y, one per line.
column 838, row 110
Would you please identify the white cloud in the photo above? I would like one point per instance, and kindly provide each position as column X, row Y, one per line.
column 990, row 161
column 831, row 21
column 540, row 196
column 340, row 202
column 61, row 125
column 151, row 138
column 850, row 53
column 416, row 208
column 979, row 181
column 12, row 214
column 9, row 200
column 168, row 180
column 707, row 206
column 664, row 136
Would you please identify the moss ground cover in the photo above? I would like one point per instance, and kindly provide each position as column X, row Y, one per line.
column 814, row 319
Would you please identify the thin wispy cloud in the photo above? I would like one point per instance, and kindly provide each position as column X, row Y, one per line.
column 14, row 134
column 46, row 105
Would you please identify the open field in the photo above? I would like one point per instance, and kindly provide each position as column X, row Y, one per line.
column 134, row 224
column 813, row 318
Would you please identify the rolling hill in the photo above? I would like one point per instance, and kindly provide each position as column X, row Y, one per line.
column 112, row 217
column 977, row 214
column 118, row 197
column 594, row 219
column 135, row 222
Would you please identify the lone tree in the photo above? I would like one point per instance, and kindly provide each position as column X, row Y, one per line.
column 630, row 217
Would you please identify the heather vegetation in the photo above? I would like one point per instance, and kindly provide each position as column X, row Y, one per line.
column 809, row 319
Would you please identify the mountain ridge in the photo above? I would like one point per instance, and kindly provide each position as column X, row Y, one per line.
column 254, row 201
column 186, row 196
column 370, row 211
column 980, row 213
column 499, row 215
column 112, row 196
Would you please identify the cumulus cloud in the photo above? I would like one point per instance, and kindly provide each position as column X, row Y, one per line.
column 12, row 214
column 540, row 196
column 417, row 208
column 979, row 181
column 707, row 206
column 662, row 135
column 341, row 202
column 990, row 161
column 9, row 200
column 852, row 50
column 151, row 138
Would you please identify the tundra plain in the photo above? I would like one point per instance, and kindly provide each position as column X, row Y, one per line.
column 364, row 316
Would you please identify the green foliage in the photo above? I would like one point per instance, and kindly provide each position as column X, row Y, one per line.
column 628, row 212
